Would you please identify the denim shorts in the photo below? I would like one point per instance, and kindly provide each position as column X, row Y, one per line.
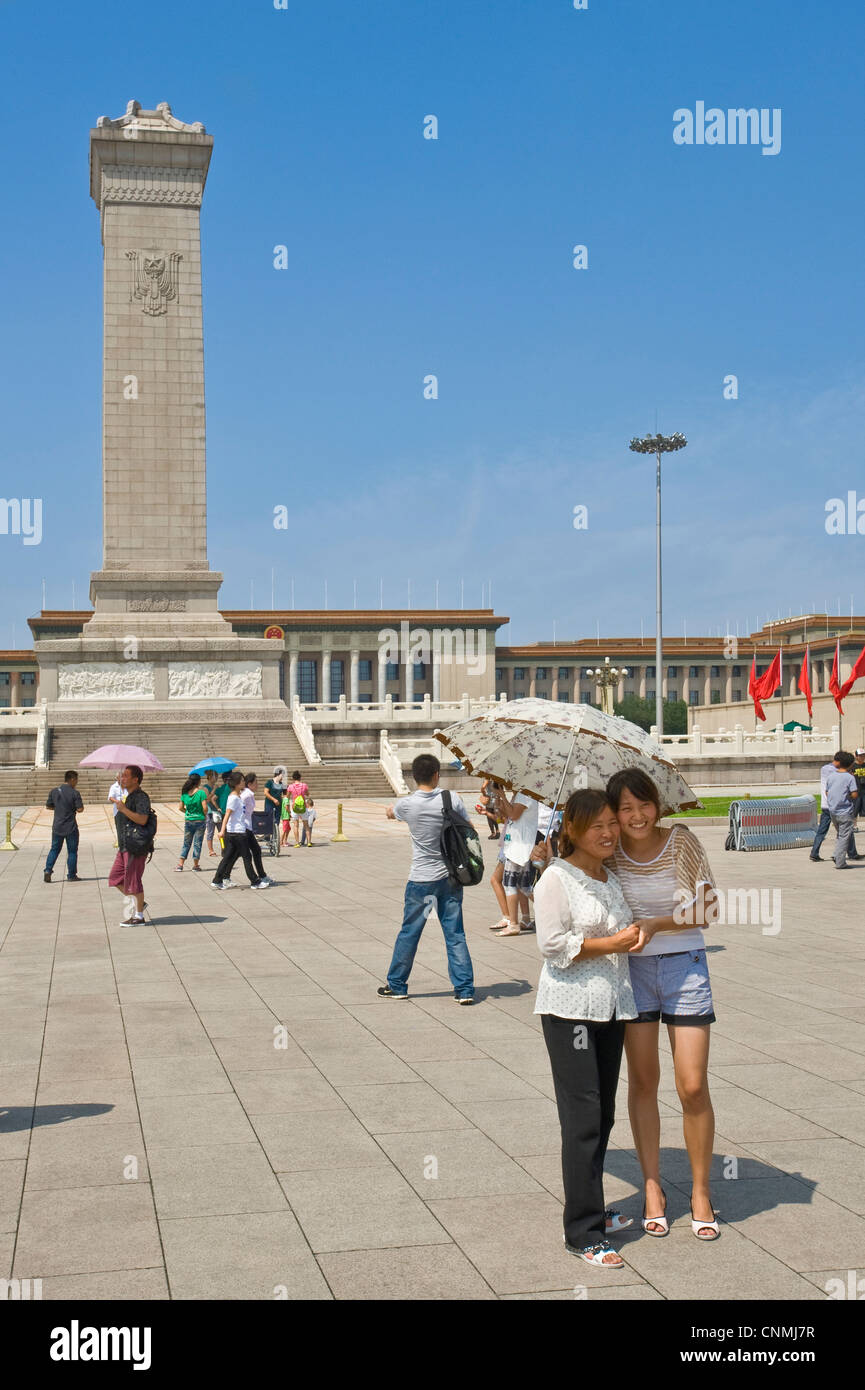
column 672, row 988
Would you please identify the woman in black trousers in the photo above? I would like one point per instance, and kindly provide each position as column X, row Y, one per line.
column 584, row 997
column 233, row 832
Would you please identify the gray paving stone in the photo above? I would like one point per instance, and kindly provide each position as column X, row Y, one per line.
column 401, row 1106
column 376, row 1208
column 790, row 1220
column 456, row 1163
column 86, row 1230
column 260, row 1255
column 213, row 1180
column 316, row 1139
column 64, row 1156
column 459, row 1080
column 119, row 1285
column 285, row 1093
column 834, row 1166
column 439, row 1272
column 179, row 1076
column 195, row 1120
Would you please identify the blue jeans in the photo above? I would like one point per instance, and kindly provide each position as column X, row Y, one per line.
column 420, row 899
column 193, row 834
column 822, row 832
column 71, row 853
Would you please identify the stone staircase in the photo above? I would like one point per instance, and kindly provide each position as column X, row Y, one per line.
column 255, row 747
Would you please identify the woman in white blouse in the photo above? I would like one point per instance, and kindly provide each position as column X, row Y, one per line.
column 670, row 892
column 584, row 997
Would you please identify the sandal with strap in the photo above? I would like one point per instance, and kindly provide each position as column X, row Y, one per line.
column 698, row 1226
column 614, row 1221
column 648, row 1221
column 596, row 1255
column 502, row 922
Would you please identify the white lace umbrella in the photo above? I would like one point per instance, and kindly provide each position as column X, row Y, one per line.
column 548, row 750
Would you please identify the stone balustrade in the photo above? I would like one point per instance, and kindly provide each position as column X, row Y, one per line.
column 740, row 741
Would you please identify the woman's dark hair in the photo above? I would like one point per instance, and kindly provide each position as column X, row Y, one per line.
column 235, row 778
column 250, row 778
column 192, row 781
column 638, row 783
column 581, row 808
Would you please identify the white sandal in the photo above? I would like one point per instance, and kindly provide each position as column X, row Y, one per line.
column 614, row 1221
column 595, row 1254
column 698, row 1226
column 502, row 922
column 648, row 1221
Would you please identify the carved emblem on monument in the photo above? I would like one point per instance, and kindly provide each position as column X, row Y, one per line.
column 154, row 279
column 156, row 603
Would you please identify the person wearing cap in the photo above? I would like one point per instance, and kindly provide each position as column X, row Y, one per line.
column 858, row 770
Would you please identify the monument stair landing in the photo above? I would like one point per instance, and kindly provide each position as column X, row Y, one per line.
column 254, row 747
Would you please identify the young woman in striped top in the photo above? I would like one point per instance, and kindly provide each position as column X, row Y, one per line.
column 669, row 888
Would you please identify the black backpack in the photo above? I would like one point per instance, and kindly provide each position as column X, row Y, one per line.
column 460, row 847
column 139, row 839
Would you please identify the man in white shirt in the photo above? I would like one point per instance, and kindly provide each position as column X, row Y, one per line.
column 519, row 840
column 116, row 794
column 429, row 886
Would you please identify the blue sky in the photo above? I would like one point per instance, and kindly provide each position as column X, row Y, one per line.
column 454, row 257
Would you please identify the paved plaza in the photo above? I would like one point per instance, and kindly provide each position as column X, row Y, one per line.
column 225, row 1109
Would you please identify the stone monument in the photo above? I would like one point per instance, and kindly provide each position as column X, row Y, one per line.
column 156, row 643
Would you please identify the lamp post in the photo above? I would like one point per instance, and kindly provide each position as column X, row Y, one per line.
column 658, row 444
column 605, row 678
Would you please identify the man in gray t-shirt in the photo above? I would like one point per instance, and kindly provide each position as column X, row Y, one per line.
column 429, row 886
column 839, row 797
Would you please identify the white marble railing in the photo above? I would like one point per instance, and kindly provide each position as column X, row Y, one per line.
column 20, row 718
column 389, row 761
column 42, row 735
column 436, row 713
column 740, row 741
column 305, row 735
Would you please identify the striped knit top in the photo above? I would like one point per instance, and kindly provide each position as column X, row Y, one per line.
column 668, row 883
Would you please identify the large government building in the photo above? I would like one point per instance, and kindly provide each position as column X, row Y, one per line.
column 368, row 656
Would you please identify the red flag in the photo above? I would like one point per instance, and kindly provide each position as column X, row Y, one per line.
column 752, row 689
column 804, row 683
column 834, row 687
column 856, row 674
column 768, row 683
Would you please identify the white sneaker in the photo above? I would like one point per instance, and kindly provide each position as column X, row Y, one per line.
column 217, row 886
column 227, row 883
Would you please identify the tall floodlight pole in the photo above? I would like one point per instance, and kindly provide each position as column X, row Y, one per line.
column 658, row 444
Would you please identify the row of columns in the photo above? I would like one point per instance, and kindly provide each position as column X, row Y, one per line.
column 638, row 673
column 327, row 695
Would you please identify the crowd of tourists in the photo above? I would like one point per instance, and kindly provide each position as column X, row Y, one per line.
column 218, row 811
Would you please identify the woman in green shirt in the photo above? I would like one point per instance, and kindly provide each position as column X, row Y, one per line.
column 193, row 804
